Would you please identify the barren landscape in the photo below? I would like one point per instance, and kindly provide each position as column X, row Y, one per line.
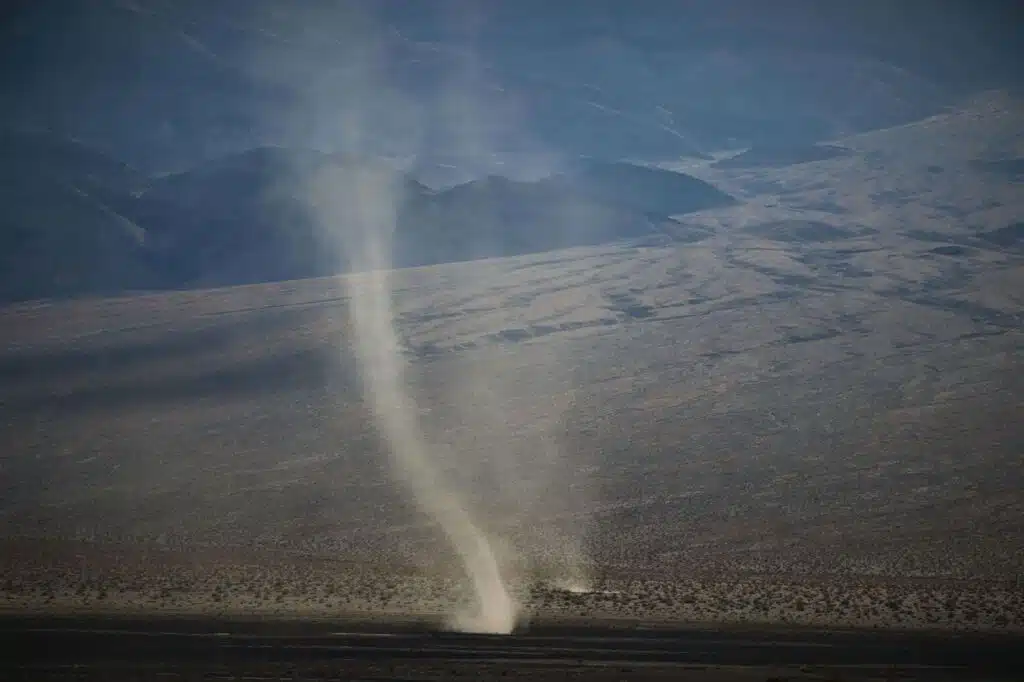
column 802, row 409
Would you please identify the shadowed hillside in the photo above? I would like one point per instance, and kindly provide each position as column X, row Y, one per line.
column 603, row 79
column 496, row 216
column 48, row 154
column 61, row 231
column 236, row 220
column 247, row 218
column 649, row 190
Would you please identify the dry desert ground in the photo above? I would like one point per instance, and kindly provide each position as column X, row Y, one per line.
column 806, row 409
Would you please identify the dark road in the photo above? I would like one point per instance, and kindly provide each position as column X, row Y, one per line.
column 50, row 648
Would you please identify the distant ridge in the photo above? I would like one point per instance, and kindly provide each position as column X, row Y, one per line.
column 779, row 156
column 248, row 217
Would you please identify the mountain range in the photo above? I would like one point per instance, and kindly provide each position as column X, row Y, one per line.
column 166, row 85
column 157, row 144
column 78, row 222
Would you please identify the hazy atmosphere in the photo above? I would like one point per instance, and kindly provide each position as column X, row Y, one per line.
column 491, row 315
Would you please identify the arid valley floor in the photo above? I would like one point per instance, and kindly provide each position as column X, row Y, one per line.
column 807, row 409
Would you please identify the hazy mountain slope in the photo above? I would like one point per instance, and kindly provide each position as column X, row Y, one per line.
column 208, row 79
column 58, row 240
column 640, row 188
column 236, row 220
column 500, row 217
column 49, row 154
column 248, row 217
column 129, row 82
column 62, row 232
